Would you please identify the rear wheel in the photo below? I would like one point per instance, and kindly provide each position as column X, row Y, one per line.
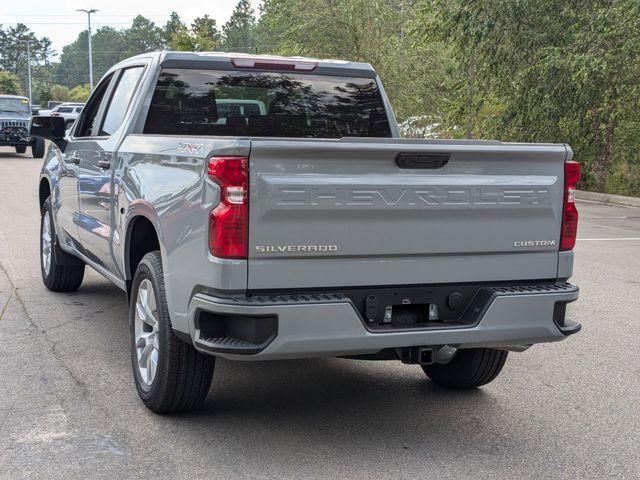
column 61, row 272
column 170, row 375
column 37, row 148
column 21, row 148
column 470, row 368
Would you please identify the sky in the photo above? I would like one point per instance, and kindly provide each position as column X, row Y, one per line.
column 58, row 19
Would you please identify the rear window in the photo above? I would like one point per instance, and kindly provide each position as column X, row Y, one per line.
column 64, row 109
column 264, row 104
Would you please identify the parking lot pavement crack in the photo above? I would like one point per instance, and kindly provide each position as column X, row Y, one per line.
column 54, row 327
column 43, row 333
column 6, row 304
column 5, row 417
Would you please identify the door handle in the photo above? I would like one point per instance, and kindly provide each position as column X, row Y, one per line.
column 422, row 160
column 73, row 158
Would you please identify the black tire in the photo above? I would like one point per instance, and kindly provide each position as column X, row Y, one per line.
column 37, row 148
column 183, row 375
column 65, row 272
column 470, row 368
column 21, row 148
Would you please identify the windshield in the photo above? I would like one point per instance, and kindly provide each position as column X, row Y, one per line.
column 14, row 105
column 265, row 104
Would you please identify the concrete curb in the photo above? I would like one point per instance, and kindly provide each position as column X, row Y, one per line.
column 608, row 199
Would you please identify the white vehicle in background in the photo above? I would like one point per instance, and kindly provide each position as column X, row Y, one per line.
column 69, row 111
column 51, row 104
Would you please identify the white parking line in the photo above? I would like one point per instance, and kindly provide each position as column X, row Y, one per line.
column 607, row 239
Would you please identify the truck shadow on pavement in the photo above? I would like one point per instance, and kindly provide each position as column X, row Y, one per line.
column 312, row 386
column 10, row 155
column 338, row 400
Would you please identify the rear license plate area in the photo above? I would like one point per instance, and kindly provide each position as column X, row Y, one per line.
column 414, row 307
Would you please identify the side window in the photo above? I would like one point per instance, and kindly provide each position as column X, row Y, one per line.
column 120, row 100
column 90, row 113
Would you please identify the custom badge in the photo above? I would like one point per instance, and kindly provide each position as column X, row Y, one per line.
column 535, row 243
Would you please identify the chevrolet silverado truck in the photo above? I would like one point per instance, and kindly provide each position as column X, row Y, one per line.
column 15, row 115
column 259, row 208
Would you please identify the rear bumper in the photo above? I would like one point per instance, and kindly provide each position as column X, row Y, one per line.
column 318, row 325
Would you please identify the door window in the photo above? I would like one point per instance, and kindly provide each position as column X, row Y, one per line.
column 90, row 114
column 120, row 100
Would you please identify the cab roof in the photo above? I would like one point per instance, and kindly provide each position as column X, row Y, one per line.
column 244, row 61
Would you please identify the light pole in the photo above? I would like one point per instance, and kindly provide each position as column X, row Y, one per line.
column 89, row 12
column 29, row 71
column 28, row 43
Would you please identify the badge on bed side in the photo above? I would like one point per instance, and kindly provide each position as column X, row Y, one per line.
column 190, row 147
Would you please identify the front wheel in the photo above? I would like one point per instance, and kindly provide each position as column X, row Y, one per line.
column 470, row 368
column 61, row 272
column 21, row 148
column 170, row 375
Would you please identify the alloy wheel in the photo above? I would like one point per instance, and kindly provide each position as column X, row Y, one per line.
column 147, row 341
column 46, row 243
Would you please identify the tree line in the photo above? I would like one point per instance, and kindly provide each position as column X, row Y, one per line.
column 516, row 70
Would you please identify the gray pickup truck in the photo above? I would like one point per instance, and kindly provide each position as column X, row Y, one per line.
column 260, row 208
column 15, row 115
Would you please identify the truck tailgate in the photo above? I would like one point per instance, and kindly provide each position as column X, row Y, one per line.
column 332, row 213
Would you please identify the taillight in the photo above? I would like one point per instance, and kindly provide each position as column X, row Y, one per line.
column 570, row 212
column 228, row 228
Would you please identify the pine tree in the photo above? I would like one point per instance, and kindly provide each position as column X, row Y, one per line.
column 173, row 27
column 238, row 32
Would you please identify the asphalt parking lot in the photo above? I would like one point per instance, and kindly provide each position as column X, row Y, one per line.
column 68, row 406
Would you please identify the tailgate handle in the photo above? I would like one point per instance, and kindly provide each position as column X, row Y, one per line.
column 422, row 160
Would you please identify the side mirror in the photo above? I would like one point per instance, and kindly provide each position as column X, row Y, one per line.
column 48, row 128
